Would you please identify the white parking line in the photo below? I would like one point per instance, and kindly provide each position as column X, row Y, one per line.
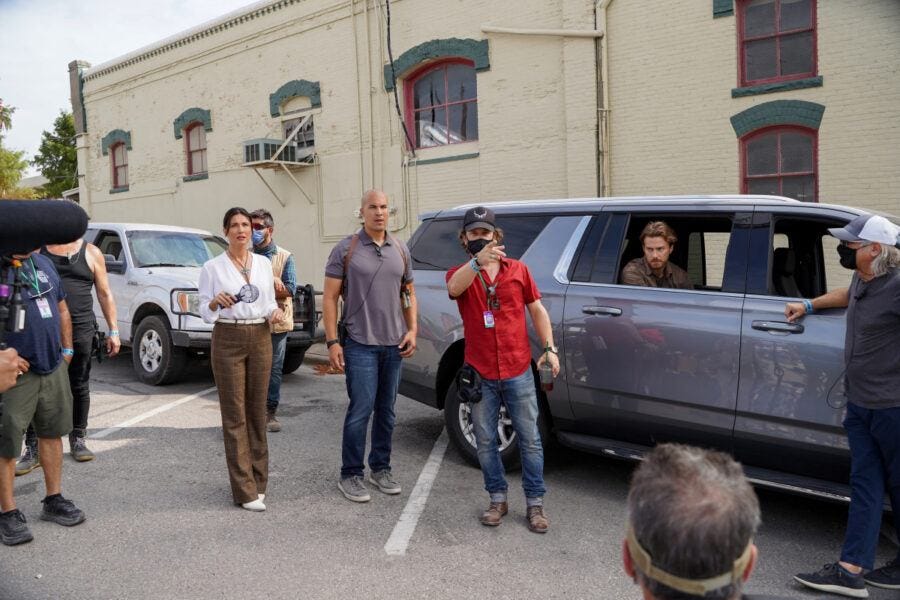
column 149, row 413
column 406, row 525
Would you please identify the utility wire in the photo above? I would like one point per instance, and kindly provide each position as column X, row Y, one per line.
column 412, row 146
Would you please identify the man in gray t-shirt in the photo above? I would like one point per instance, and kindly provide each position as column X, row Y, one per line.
column 371, row 271
column 870, row 245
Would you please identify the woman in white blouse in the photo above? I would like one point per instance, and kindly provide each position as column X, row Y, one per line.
column 238, row 295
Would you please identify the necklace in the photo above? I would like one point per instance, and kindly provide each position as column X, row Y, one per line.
column 244, row 269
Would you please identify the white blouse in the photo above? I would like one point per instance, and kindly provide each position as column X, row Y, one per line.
column 221, row 275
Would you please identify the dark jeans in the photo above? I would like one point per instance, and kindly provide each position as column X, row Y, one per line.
column 279, row 345
column 79, row 381
column 372, row 374
column 874, row 436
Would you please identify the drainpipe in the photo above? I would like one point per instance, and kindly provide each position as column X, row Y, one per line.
column 604, row 180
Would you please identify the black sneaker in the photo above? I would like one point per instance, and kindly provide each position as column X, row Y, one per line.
column 62, row 511
column 835, row 579
column 887, row 576
column 13, row 529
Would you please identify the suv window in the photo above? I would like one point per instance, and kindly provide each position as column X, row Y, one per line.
column 803, row 258
column 436, row 247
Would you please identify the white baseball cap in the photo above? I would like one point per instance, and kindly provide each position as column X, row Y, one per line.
column 868, row 228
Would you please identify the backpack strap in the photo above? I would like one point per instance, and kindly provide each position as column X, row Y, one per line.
column 353, row 242
column 403, row 255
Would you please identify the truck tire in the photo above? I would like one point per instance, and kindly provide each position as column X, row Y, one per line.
column 156, row 360
column 293, row 359
column 459, row 428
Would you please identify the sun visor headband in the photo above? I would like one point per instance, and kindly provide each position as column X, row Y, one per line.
column 695, row 587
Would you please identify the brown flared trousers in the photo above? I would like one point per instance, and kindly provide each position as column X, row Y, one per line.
column 241, row 364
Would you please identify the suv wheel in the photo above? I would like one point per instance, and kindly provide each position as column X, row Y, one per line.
column 293, row 359
column 156, row 360
column 457, row 416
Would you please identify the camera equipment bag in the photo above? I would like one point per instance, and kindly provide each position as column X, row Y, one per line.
column 468, row 384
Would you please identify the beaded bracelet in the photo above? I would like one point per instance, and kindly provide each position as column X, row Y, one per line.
column 807, row 304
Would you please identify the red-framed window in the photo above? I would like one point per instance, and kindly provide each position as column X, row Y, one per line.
column 119, row 163
column 442, row 104
column 782, row 161
column 777, row 40
column 195, row 148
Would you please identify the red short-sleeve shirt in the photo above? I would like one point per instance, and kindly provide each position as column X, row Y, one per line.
column 502, row 351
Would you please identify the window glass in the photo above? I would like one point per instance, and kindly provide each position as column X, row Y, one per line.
column 781, row 162
column 762, row 156
column 760, row 56
column 196, row 137
column 438, row 246
column 120, row 166
column 759, row 18
column 172, row 248
column 796, row 53
column 795, row 14
column 796, row 153
column 444, row 105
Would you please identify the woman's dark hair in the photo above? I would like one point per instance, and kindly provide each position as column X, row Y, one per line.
column 237, row 210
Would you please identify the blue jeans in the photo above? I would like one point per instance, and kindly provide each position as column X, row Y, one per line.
column 372, row 374
column 519, row 396
column 874, row 436
column 279, row 346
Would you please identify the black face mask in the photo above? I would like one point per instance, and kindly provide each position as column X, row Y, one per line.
column 476, row 246
column 848, row 257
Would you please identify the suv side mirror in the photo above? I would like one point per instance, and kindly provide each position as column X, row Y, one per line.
column 113, row 265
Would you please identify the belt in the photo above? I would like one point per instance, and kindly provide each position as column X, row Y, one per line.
column 241, row 321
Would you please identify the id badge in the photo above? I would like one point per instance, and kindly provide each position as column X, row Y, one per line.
column 44, row 307
column 488, row 319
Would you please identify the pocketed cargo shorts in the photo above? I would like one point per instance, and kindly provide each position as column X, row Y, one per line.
column 45, row 400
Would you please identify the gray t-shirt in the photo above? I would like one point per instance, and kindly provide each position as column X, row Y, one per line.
column 872, row 344
column 372, row 309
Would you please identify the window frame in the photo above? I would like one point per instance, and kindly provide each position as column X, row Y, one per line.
column 409, row 110
column 742, row 40
column 117, row 183
column 780, row 129
column 189, row 151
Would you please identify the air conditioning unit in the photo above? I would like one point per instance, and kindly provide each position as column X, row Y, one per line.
column 264, row 149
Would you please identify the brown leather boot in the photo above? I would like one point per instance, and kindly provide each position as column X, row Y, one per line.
column 272, row 423
column 537, row 520
column 493, row 516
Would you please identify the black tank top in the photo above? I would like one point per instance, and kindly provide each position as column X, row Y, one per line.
column 77, row 279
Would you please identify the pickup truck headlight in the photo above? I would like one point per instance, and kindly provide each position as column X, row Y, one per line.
column 186, row 302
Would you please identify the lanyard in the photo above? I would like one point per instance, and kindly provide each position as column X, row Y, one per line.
column 32, row 280
column 493, row 302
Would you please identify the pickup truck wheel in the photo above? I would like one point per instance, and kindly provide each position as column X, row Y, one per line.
column 156, row 360
column 457, row 416
column 293, row 359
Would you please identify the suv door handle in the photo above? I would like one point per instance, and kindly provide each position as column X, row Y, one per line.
column 777, row 326
column 601, row 310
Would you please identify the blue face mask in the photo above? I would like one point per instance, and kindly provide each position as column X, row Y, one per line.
column 258, row 237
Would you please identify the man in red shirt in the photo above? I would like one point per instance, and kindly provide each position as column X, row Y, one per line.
column 492, row 293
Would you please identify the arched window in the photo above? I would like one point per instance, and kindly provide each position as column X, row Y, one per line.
column 195, row 148
column 118, row 156
column 442, row 104
column 782, row 161
column 777, row 40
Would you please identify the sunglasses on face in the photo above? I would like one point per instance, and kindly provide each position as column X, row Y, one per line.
column 259, row 226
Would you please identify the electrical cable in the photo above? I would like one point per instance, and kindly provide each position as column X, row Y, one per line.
column 412, row 147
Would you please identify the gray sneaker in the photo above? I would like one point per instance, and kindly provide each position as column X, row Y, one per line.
column 29, row 461
column 354, row 489
column 384, row 482
column 79, row 449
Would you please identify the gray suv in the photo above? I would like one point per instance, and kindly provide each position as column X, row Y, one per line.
column 715, row 366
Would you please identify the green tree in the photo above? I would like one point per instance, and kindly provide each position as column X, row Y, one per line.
column 12, row 167
column 57, row 158
column 6, row 112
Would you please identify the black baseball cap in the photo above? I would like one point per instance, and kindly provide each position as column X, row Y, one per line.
column 479, row 218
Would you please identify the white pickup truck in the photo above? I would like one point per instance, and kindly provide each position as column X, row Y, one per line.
column 153, row 274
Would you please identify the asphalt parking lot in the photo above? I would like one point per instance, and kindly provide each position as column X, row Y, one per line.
column 161, row 523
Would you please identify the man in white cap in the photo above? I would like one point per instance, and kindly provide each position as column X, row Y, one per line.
column 870, row 245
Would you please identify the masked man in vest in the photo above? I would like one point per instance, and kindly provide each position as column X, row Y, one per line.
column 285, row 277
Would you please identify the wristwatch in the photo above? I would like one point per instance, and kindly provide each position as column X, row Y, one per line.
column 330, row 343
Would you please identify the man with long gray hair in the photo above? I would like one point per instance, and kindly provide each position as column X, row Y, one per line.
column 870, row 246
column 692, row 516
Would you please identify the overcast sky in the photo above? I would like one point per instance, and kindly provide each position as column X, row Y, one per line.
column 39, row 38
